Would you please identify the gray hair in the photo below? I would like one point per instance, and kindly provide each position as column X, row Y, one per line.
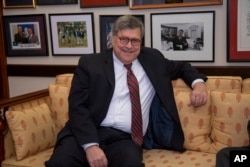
column 127, row 22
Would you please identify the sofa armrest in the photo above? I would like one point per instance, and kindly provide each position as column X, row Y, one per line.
column 6, row 103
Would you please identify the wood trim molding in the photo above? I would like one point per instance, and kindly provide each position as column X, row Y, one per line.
column 4, row 84
column 53, row 70
column 23, row 98
column 39, row 70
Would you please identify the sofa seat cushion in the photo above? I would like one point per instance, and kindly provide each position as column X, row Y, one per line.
column 31, row 161
column 152, row 158
column 167, row 158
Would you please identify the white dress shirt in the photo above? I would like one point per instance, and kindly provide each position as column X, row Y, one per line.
column 119, row 112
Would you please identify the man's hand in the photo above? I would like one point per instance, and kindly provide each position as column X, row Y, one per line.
column 198, row 95
column 96, row 156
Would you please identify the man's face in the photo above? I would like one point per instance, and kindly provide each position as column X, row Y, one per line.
column 127, row 52
column 20, row 29
column 29, row 31
column 180, row 33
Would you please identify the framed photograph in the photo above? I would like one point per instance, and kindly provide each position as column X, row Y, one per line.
column 25, row 35
column 238, row 31
column 72, row 34
column 106, row 22
column 153, row 4
column 102, row 3
column 8, row 4
column 187, row 36
column 56, row 2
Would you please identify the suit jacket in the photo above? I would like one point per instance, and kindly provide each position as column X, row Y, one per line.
column 180, row 44
column 33, row 39
column 93, row 87
column 20, row 38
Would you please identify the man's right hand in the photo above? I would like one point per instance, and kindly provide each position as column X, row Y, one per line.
column 96, row 157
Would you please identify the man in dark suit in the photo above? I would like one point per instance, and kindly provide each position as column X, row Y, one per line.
column 20, row 36
column 99, row 127
column 180, row 42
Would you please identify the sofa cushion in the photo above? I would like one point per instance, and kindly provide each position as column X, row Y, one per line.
column 246, row 85
column 230, row 115
column 64, row 79
column 32, row 130
column 195, row 122
column 219, row 83
column 168, row 158
column 59, row 104
column 31, row 161
column 224, row 83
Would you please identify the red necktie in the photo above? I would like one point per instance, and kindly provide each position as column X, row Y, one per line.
column 133, row 86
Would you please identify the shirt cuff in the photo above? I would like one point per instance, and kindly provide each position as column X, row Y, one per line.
column 85, row 146
column 196, row 81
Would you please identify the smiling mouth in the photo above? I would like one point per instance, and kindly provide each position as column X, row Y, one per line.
column 127, row 50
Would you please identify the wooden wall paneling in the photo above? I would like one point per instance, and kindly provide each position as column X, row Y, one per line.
column 4, row 84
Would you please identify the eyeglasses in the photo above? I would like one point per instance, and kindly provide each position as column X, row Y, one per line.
column 125, row 41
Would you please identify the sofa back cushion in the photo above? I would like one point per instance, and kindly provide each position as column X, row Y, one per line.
column 30, row 104
column 195, row 122
column 219, row 83
column 8, row 141
column 230, row 116
column 224, row 83
column 59, row 104
column 64, row 79
column 32, row 130
column 246, row 85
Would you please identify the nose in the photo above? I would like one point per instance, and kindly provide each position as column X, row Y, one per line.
column 129, row 44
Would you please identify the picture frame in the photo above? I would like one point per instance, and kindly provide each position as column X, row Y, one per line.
column 101, row 3
column 23, row 43
column 56, row 2
column 7, row 4
column 153, row 4
column 238, row 31
column 197, row 35
column 106, row 22
column 72, row 34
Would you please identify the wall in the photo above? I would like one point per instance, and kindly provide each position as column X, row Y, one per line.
column 20, row 85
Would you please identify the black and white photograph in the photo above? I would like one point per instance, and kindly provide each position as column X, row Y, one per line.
column 187, row 36
column 182, row 36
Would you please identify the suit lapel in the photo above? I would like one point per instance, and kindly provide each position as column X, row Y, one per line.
column 108, row 67
column 148, row 69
